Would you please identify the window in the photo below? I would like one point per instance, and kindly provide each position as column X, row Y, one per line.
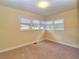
column 35, row 24
column 42, row 25
column 24, row 24
column 59, row 24
column 27, row 24
column 49, row 25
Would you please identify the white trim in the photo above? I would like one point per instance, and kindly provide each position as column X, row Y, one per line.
column 38, row 39
column 19, row 46
column 71, row 45
column 74, row 46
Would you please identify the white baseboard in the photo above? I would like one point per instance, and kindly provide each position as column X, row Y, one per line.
column 19, row 46
column 37, row 39
column 74, row 46
column 71, row 45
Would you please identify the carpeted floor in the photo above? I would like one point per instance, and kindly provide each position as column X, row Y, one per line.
column 42, row 50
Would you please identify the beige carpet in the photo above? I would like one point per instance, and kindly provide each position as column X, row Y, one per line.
column 42, row 50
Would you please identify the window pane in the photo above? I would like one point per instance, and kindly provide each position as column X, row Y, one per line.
column 49, row 25
column 60, row 21
column 24, row 27
column 59, row 24
column 35, row 24
column 25, row 21
column 24, row 24
column 42, row 25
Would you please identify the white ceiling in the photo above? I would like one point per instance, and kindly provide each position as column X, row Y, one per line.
column 56, row 6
